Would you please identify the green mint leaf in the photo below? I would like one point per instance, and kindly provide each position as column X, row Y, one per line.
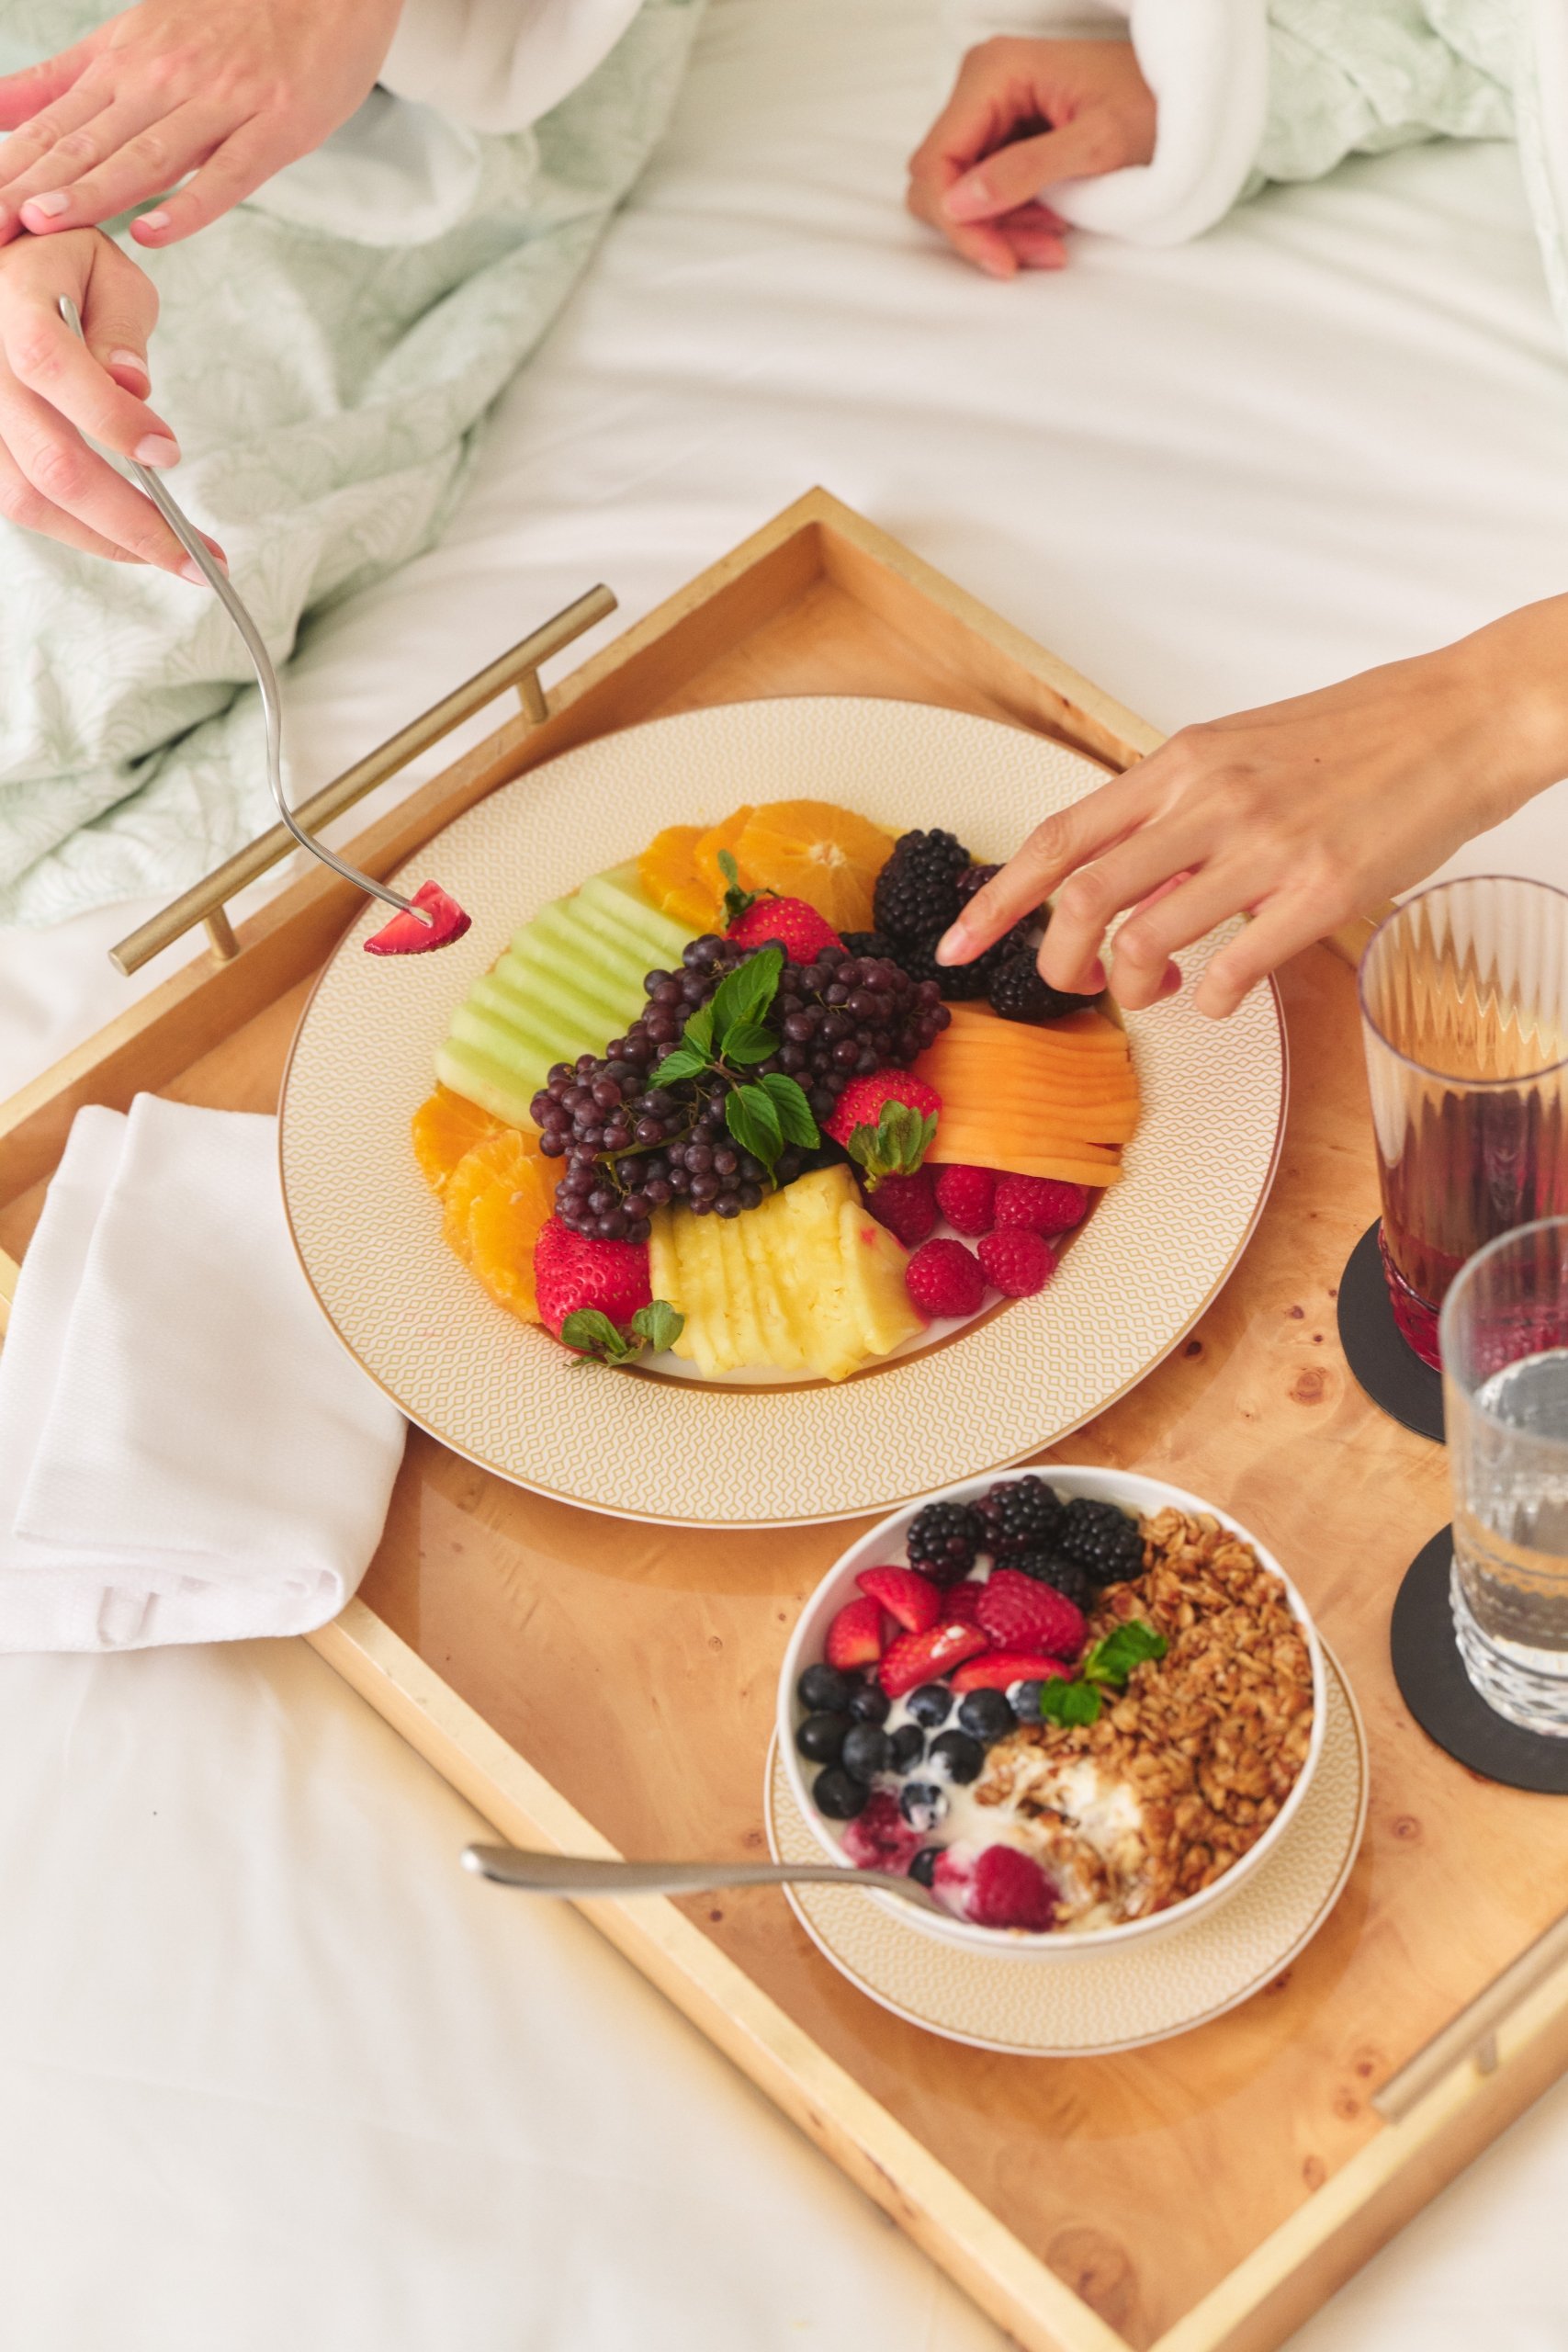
column 749, row 1115
column 682, row 1061
column 659, row 1324
column 743, row 996
column 1112, row 1659
column 1069, row 1702
column 789, row 1099
column 594, row 1337
column 749, row 1042
column 699, row 1031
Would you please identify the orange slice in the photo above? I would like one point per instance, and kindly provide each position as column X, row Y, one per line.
column 668, row 873
column 812, row 850
column 446, row 1127
column 496, row 1201
column 720, row 837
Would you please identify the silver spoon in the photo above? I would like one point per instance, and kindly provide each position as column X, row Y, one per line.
column 218, row 580
column 575, row 1874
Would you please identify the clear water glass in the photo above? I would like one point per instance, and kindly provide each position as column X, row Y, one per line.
column 1504, row 1336
column 1464, row 1017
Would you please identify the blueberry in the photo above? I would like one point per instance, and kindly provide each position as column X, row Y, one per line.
column 908, row 1747
column 868, row 1704
column 1026, row 1698
column 923, row 1867
column 923, row 1804
column 867, row 1750
column 957, row 1757
column 838, row 1796
column 821, row 1737
column 986, row 1715
column 824, row 1689
column 929, row 1705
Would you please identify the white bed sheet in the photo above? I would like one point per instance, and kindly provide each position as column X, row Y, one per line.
column 273, row 2069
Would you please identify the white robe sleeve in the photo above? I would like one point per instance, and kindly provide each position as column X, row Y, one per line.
column 498, row 65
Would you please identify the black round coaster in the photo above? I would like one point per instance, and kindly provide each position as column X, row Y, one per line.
column 1434, row 1685
column 1389, row 1368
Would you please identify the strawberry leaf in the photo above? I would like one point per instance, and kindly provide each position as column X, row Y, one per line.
column 594, row 1337
column 896, row 1146
column 737, row 898
column 788, row 1098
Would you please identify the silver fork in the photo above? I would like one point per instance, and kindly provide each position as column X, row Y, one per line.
column 578, row 1874
column 233, row 604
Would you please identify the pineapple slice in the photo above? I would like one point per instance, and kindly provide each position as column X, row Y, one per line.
column 875, row 1260
column 780, row 1337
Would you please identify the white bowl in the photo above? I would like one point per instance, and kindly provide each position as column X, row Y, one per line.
column 885, row 1542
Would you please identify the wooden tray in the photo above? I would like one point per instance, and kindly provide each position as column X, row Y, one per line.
column 601, row 1687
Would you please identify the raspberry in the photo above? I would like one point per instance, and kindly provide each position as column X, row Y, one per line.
column 965, row 1197
column 1008, row 1888
column 906, row 1206
column 1017, row 1614
column 879, row 1839
column 1016, row 1261
column 1040, row 1204
column 913, row 1601
column 943, row 1278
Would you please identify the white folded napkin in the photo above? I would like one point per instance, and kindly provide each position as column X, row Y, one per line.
column 187, row 1452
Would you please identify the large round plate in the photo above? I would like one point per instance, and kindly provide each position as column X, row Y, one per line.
column 1149, row 1259
column 1100, row 2000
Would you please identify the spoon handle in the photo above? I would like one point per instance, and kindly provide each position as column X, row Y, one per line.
column 574, row 1874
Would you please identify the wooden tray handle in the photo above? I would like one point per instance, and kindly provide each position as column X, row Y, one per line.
column 206, row 901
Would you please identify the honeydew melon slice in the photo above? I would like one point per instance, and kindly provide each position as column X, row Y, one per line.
column 479, row 1080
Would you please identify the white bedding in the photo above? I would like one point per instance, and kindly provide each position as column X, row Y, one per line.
column 273, row 2069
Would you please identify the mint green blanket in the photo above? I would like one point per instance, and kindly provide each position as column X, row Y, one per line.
column 326, row 388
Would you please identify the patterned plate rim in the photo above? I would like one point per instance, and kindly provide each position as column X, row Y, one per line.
column 776, row 1789
column 815, row 709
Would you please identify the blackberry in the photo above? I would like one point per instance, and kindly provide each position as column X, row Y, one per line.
column 1020, row 1515
column 944, row 1541
column 975, row 878
column 1015, row 989
column 871, row 942
column 1065, row 1576
column 917, row 890
column 1105, row 1541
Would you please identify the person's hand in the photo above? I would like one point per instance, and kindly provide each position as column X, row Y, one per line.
column 54, row 390
column 230, row 89
column 1303, row 814
column 1023, row 116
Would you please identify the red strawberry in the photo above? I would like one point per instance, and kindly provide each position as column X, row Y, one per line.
column 910, row 1599
column 906, row 1205
column 1003, row 1668
column 1016, row 1261
column 1001, row 1887
column 964, row 1196
column 960, row 1604
column 943, row 1278
column 406, row 935
column 879, row 1839
column 1038, row 1204
column 854, row 1637
column 573, row 1271
column 886, row 1122
column 800, row 930
column 1018, row 1613
column 926, row 1658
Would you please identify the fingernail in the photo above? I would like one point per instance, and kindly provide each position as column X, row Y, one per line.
column 190, row 569
column 151, row 221
column 953, row 945
column 966, row 199
column 156, row 449
column 130, row 359
column 52, row 206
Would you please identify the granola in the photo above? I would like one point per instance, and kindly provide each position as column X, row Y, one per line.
column 1187, row 1767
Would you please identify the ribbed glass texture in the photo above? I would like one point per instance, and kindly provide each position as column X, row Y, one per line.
column 1464, row 1006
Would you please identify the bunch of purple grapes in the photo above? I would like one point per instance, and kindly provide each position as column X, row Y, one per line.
column 631, row 1147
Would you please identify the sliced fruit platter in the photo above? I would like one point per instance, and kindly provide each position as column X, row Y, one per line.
column 684, row 1115
column 874, row 1234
